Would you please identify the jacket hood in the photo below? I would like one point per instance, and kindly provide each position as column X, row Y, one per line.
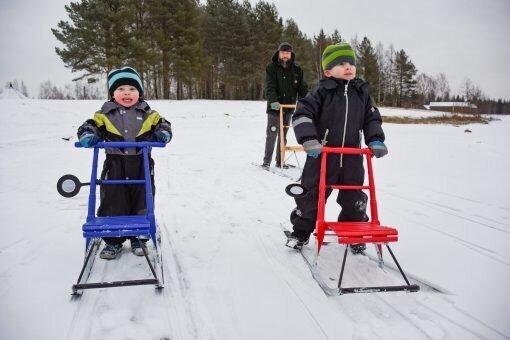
column 274, row 59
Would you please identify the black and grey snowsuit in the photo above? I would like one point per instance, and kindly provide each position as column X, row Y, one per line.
column 115, row 123
column 345, row 109
column 283, row 85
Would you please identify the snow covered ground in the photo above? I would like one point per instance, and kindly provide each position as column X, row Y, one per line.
column 228, row 275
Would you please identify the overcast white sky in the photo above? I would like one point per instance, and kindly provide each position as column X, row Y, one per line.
column 461, row 38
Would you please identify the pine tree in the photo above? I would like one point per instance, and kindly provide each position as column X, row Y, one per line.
column 336, row 37
column 223, row 31
column 404, row 73
column 267, row 33
column 302, row 47
column 367, row 66
column 320, row 42
column 98, row 37
column 174, row 26
column 186, row 51
column 162, row 27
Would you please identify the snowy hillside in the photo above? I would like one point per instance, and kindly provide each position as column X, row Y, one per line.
column 11, row 93
column 228, row 274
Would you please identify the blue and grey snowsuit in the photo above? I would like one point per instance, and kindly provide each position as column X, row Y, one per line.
column 115, row 123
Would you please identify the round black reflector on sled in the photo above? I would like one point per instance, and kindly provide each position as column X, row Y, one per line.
column 296, row 190
column 69, row 186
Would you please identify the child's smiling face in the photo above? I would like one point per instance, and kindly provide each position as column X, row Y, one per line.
column 126, row 95
column 342, row 71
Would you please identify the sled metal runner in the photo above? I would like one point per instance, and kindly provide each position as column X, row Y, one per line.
column 408, row 287
column 138, row 226
column 87, row 268
column 348, row 233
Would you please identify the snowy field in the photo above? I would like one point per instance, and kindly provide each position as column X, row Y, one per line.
column 228, row 274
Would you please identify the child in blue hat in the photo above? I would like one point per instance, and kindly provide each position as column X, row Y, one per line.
column 124, row 118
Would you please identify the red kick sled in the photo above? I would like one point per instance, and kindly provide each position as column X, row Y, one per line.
column 348, row 233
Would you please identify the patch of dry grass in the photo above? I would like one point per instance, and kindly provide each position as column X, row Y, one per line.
column 444, row 119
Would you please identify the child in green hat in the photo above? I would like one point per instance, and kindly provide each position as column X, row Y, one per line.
column 339, row 104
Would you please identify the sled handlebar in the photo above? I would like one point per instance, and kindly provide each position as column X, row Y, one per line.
column 347, row 151
column 103, row 145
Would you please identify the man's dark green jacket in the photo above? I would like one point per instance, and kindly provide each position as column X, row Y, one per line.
column 284, row 85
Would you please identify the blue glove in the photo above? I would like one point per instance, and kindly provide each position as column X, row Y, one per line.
column 275, row 106
column 163, row 136
column 88, row 139
column 312, row 148
column 378, row 148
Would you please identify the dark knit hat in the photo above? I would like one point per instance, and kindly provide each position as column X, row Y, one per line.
column 285, row 46
column 124, row 76
column 336, row 54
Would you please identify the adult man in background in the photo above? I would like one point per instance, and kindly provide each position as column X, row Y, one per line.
column 284, row 83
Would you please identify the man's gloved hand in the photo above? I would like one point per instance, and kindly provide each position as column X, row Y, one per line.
column 88, row 139
column 378, row 148
column 312, row 148
column 163, row 136
column 275, row 106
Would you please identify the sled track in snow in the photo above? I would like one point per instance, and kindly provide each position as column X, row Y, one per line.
column 271, row 259
column 86, row 306
column 377, row 297
column 420, row 309
column 449, row 211
column 467, row 315
column 177, row 288
column 473, row 246
column 175, row 309
column 423, row 311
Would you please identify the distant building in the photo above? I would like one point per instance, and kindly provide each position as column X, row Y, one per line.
column 453, row 107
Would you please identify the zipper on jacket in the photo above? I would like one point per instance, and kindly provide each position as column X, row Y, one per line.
column 345, row 122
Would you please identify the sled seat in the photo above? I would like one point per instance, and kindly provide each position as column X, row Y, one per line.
column 361, row 232
column 117, row 226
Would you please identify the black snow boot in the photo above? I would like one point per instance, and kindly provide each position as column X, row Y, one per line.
column 297, row 239
column 358, row 248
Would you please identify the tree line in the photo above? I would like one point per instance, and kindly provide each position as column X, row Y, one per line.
column 219, row 50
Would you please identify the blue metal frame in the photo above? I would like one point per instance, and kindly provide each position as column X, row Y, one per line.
column 121, row 226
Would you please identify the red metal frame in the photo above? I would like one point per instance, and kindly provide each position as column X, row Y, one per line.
column 351, row 232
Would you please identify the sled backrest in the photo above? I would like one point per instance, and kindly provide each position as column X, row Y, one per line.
column 283, row 147
column 367, row 153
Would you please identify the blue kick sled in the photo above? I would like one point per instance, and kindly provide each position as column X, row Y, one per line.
column 139, row 226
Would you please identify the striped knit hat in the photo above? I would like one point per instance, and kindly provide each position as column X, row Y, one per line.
column 124, row 76
column 336, row 54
